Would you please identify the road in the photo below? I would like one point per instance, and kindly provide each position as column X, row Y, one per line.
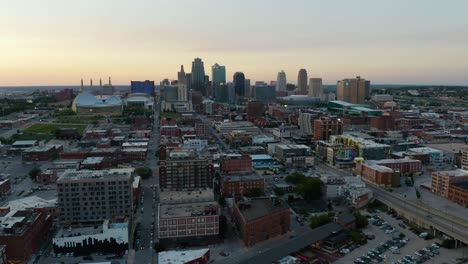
column 148, row 219
column 443, row 221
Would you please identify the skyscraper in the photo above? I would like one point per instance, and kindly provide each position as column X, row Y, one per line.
column 218, row 74
column 315, row 87
column 248, row 89
column 239, row 84
column 281, row 81
column 181, row 76
column 353, row 91
column 198, row 75
column 302, row 81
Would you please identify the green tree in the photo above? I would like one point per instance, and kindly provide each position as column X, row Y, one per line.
column 402, row 235
column 308, row 187
column 34, row 173
column 355, row 235
column 319, row 220
column 144, row 172
column 418, row 194
column 361, row 221
column 278, row 191
column 222, row 201
column 303, row 211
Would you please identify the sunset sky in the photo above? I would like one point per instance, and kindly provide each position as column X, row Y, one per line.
column 58, row 42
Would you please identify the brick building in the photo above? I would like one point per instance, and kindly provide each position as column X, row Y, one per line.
column 41, row 153
column 255, row 110
column 202, row 130
column 5, row 187
column 241, row 185
column 387, row 172
column 260, row 219
column 184, row 169
column 385, row 122
column 441, row 181
column 188, row 217
column 326, row 127
column 458, row 193
column 170, row 131
column 22, row 231
column 47, row 177
column 235, row 163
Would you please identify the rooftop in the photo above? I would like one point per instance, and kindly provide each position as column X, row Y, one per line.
column 180, row 257
column 25, row 142
column 92, row 160
column 462, row 185
column 260, row 157
column 255, row 208
column 172, row 197
column 75, row 175
column 238, row 178
column 30, row 202
column 188, row 209
column 454, row 173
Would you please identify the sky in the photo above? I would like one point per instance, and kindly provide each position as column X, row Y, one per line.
column 58, row 42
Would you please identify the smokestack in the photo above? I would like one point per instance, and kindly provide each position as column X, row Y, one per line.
column 81, row 88
column 110, row 83
column 91, row 82
column 100, row 83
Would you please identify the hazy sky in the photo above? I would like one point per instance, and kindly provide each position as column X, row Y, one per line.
column 54, row 42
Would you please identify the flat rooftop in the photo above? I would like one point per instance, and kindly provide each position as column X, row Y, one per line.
column 172, row 197
column 92, row 160
column 180, row 257
column 75, row 175
column 188, row 209
column 30, row 202
column 454, row 173
column 238, row 178
column 256, row 208
column 449, row 147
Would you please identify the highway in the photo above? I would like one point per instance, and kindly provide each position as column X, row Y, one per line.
column 422, row 213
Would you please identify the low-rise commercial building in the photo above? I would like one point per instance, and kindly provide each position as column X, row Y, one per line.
column 110, row 237
column 441, row 181
column 235, row 163
column 195, row 256
column 387, row 172
column 365, row 148
column 21, row 231
column 260, row 219
column 190, row 217
column 458, row 193
column 5, row 187
column 241, row 184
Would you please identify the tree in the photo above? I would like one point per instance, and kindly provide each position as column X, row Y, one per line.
column 278, row 191
column 34, row 173
column 319, row 220
column 308, row 187
column 361, row 221
column 144, row 172
column 222, row 201
column 303, row 211
column 223, row 226
column 418, row 194
column 290, row 198
column 256, row 192
column 355, row 235
column 402, row 235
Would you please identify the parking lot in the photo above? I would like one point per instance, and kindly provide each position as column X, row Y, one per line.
column 388, row 241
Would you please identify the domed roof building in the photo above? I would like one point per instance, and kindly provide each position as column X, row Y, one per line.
column 86, row 103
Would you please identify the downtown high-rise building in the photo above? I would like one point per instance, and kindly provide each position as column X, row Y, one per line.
column 302, row 81
column 198, row 75
column 239, row 84
column 181, row 76
column 218, row 74
column 281, row 81
column 248, row 89
column 354, row 91
column 315, row 87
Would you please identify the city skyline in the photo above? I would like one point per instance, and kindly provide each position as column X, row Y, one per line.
column 56, row 43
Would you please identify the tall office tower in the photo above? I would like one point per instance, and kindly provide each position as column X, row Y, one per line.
column 239, row 84
column 218, row 74
column 281, row 81
column 353, row 91
column 188, row 81
column 181, row 76
column 326, row 127
column 264, row 92
column 302, row 81
column 248, row 89
column 182, row 92
column 222, row 93
column 231, row 87
column 185, row 169
column 198, row 75
column 87, row 196
column 315, row 87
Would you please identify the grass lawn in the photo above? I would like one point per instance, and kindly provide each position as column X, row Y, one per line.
column 170, row 115
column 85, row 119
column 50, row 128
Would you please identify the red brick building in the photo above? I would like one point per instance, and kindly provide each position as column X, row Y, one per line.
column 235, row 163
column 255, row 110
column 22, row 231
column 385, row 122
column 47, row 177
column 458, row 193
column 260, row 219
column 326, row 127
column 170, row 131
column 387, row 172
column 5, row 187
column 41, row 153
column 202, row 130
column 241, row 185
